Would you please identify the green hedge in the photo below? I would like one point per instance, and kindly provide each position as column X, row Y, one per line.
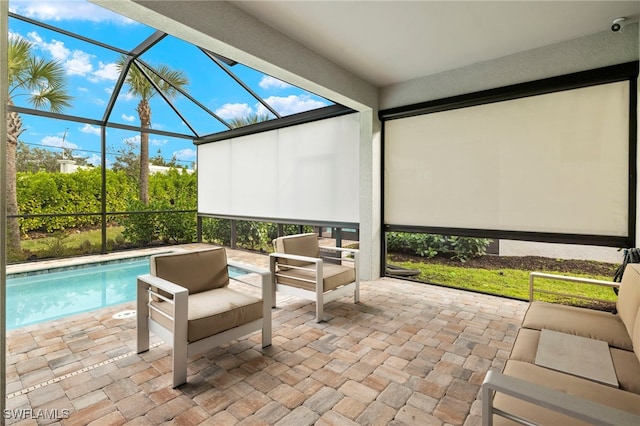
column 79, row 192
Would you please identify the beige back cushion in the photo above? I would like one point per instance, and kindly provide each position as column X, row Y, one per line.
column 301, row 245
column 197, row 271
column 629, row 298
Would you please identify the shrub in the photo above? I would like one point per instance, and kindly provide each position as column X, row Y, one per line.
column 216, row 231
column 424, row 245
column 464, row 248
column 177, row 227
column 142, row 226
column 430, row 245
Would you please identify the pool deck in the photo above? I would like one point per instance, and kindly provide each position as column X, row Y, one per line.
column 407, row 354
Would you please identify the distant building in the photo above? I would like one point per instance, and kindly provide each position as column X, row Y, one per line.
column 70, row 166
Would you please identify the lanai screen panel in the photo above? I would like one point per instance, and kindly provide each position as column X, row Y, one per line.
column 303, row 172
column 551, row 163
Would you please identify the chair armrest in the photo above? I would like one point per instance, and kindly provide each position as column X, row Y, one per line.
column 162, row 284
column 342, row 249
column 543, row 275
column 180, row 302
column 570, row 405
column 295, row 257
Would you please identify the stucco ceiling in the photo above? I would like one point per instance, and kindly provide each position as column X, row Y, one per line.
column 387, row 42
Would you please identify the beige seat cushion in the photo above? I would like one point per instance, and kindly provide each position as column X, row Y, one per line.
column 629, row 297
column 213, row 311
column 196, row 271
column 571, row 385
column 625, row 363
column 301, row 245
column 579, row 321
column 333, row 276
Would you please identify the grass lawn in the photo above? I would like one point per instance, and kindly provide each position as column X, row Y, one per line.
column 507, row 282
column 71, row 240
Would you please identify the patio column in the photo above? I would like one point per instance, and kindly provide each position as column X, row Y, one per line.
column 370, row 195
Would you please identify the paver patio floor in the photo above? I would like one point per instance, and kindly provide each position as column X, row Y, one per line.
column 407, row 354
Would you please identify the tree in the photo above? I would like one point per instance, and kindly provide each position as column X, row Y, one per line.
column 128, row 161
column 159, row 160
column 168, row 81
column 248, row 120
column 42, row 82
column 30, row 159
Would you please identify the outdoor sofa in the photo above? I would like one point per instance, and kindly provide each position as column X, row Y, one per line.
column 528, row 388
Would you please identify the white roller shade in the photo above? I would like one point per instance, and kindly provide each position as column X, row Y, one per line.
column 303, row 172
column 553, row 163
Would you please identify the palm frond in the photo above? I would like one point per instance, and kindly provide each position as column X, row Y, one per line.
column 248, row 120
column 43, row 80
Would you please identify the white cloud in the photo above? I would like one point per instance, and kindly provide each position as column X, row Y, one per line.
column 129, row 118
column 79, row 64
column 80, row 10
column 56, row 48
column 57, row 141
column 94, row 160
column 107, row 72
column 158, row 142
column 12, row 36
column 125, row 96
column 133, row 140
column 186, row 154
column 33, row 36
column 229, row 111
column 75, row 62
column 269, row 82
column 290, row 104
column 92, row 130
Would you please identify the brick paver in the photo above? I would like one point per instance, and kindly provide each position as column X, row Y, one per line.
column 408, row 354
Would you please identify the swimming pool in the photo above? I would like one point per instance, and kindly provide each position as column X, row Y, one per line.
column 38, row 297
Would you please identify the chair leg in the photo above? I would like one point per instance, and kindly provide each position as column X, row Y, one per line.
column 179, row 366
column 319, row 292
column 356, row 292
column 142, row 318
column 319, row 311
column 180, row 339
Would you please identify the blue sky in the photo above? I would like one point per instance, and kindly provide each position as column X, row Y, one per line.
column 91, row 75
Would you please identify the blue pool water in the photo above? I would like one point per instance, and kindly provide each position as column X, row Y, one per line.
column 34, row 298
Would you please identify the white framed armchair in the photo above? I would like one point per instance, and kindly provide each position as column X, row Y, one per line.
column 186, row 301
column 299, row 268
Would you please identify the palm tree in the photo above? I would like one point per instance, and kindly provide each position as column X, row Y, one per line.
column 167, row 80
column 42, row 82
column 248, row 120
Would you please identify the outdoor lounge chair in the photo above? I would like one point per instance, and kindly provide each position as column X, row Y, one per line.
column 297, row 268
column 187, row 302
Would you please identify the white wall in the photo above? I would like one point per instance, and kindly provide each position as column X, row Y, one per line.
column 585, row 53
